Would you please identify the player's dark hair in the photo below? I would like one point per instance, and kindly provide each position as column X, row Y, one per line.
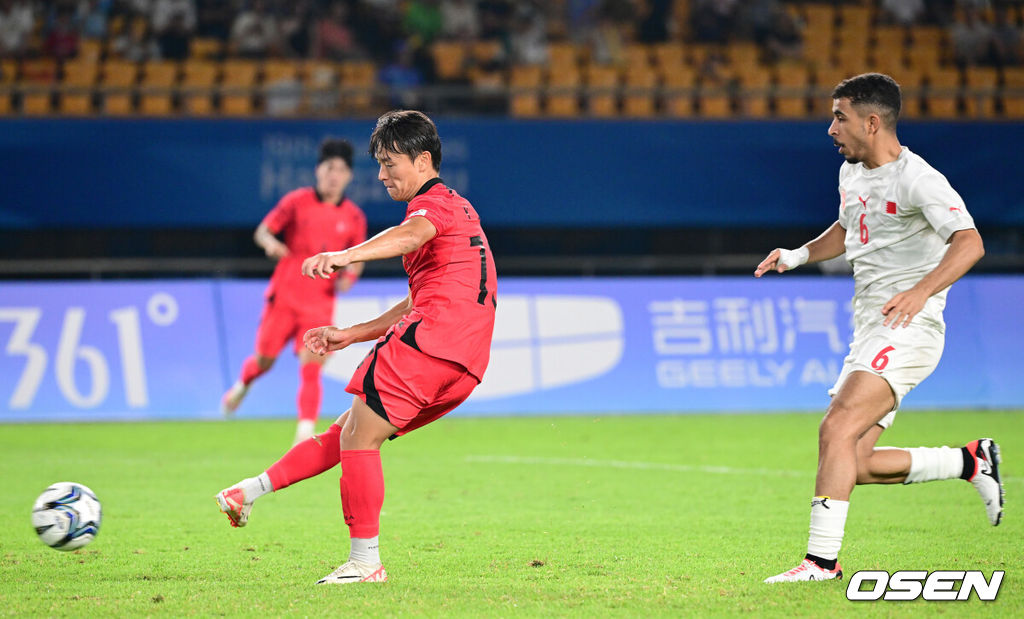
column 874, row 89
column 335, row 147
column 406, row 132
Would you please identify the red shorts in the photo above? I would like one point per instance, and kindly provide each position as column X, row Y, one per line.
column 281, row 322
column 407, row 387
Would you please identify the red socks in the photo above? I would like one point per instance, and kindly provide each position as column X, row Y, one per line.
column 250, row 370
column 310, row 391
column 307, row 459
column 362, row 491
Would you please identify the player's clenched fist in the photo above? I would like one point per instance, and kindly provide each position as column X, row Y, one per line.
column 323, row 264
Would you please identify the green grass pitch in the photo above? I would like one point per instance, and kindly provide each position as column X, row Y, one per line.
column 570, row 516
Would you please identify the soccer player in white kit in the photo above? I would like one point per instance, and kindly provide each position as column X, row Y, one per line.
column 908, row 236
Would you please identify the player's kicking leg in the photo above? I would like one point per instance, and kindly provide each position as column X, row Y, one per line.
column 306, row 459
column 253, row 367
column 977, row 462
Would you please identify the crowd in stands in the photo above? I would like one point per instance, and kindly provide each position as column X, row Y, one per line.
column 401, row 38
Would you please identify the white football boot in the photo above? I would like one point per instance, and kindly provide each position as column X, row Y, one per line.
column 986, row 478
column 807, row 570
column 232, row 502
column 355, row 571
column 232, row 398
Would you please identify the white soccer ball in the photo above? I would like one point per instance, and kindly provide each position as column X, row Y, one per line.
column 66, row 516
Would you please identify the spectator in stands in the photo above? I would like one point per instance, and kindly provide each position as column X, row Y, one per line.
column 91, row 16
column 784, row 40
column 17, row 21
column 62, row 35
column 495, row 18
column 1006, row 39
column 137, row 43
column 213, row 18
column 527, row 41
column 608, row 40
column 902, row 12
column 460, row 19
column 972, row 38
column 254, row 33
column 333, row 38
column 713, row 21
column 402, row 78
column 174, row 22
column 654, row 21
column 422, row 20
column 296, row 30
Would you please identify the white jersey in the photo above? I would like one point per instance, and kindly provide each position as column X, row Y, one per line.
column 898, row 218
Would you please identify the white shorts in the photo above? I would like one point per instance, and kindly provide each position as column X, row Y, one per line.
column 902, row 356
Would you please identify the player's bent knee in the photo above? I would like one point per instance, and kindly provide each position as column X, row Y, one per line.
column 265, row 363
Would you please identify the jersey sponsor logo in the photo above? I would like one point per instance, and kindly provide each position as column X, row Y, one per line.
column 541, row 341
column 890, row 207
column 938, row 586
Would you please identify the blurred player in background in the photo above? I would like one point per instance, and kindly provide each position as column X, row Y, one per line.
column 432, row 347
column 310, row 220
column 908, row 236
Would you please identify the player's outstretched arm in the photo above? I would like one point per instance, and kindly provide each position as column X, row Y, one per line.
column 396, row 241
column 965, row 250
column 323, row 340
column 829, row 244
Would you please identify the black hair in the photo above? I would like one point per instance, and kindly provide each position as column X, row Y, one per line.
column 873, row 89
column 406, row 132
column 335, row 147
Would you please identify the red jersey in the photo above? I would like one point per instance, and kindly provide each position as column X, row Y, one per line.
column 310, row 226
column 452, row 281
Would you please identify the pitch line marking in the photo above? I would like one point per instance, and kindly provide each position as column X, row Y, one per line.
column 653, row 466
column 634, row 465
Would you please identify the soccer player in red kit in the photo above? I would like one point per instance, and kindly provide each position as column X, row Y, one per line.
column 309, row 220
column 432, row 347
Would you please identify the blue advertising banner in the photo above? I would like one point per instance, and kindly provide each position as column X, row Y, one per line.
column 169, row 349
column 228, row 173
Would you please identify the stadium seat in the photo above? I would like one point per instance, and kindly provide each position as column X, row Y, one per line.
column 563, row 91
column 279, row 71
column 926, row 50
column 911, row 82
column 743, row 54
column 117, row 87
column 668, row 57
column 6, row 108
column 856, row 17
column 715, row 100
column 8, row 70
column 820, row 17
column 159, row 77
column 37, row 101
column 638, row 98
column 485, row 52
column 1013, row 92
column 637, row 57
column 980, row 95
column 755, row 82
column 449, row 60
column 525, row 82
column 601, row 94
column 205, row 48
column 77, row 86
column 793, row 82
column 563, row 55
column 943, row 92
column 819, row 47
column 360, row 78
column 39, row 71
column 90, row 50
column 237, row 83
column 197, row 82
column 679, row 89
column 826, row 78
column 319, row 81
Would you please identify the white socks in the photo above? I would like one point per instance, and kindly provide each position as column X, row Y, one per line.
column 306, row 428
column 934, row 463
column 828, row 521
column 365, row 550
column 255, row 487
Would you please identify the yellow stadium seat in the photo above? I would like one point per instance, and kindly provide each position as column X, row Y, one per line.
column 118, row 83
column 980, row 96
column 449, row 59
column 602, row 83
column 237, row 81
column 525, row 82
column 792, row 90
column 206, row 48
column 197, row 82
column 1013, row 92
column 638, row 98
column 37, row 102
column 563, row 55
column 715, row 99
column 679, row 88
column 943, row 93
column 159, row 77
column 668, row 57
column 755, row 86
column 637, row 57
column 563, row 91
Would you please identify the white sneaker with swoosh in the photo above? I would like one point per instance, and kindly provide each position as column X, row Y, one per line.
column 353, row 572
column 807, row 570
column 986, row 478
